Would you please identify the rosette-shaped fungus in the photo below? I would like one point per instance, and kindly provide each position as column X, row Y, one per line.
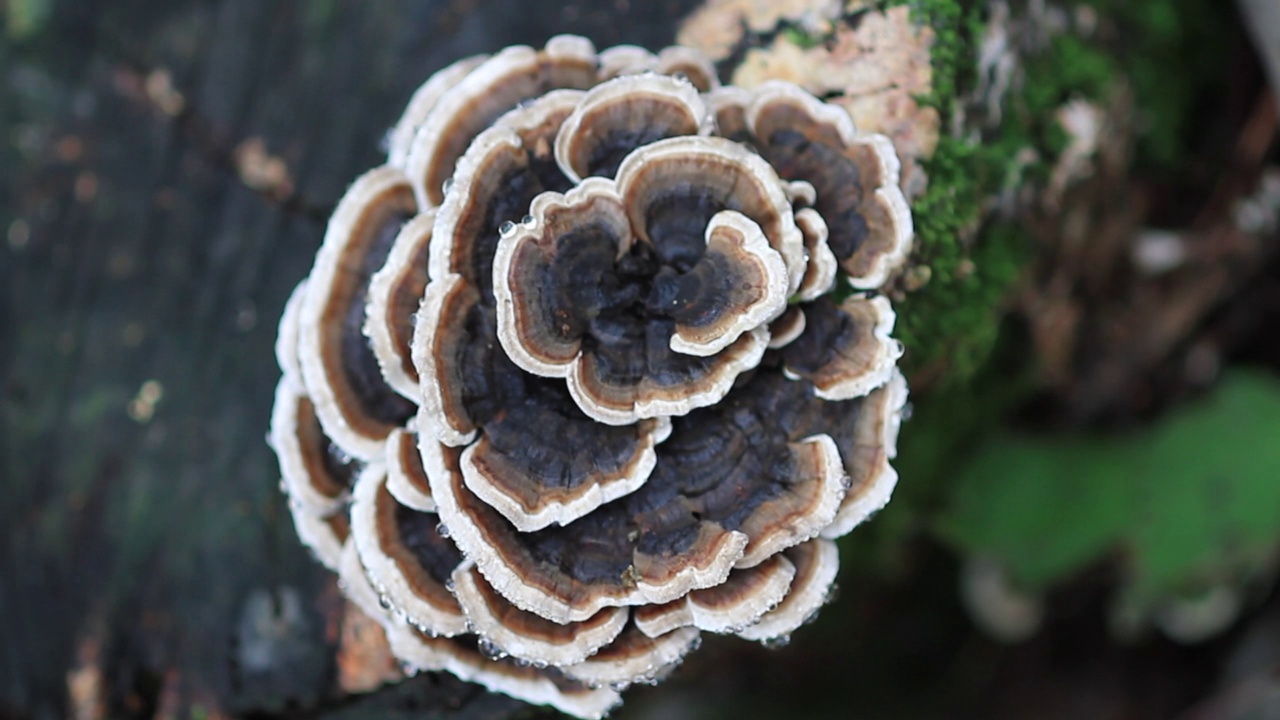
column 568, row 386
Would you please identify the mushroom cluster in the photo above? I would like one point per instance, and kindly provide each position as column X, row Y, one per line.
column 568, row 386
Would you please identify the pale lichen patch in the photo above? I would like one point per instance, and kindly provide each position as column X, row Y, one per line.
column 877, row 69
column 718, row 26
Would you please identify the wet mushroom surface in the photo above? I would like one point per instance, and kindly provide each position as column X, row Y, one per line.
column 569, row 383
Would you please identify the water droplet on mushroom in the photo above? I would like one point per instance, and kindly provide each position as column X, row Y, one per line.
column 449, row 584
column 507, row 228
column 907, row 410
column 776, row 643
column 442, row 530
column 446, row 186
column 528, row 220
column 384, row 602
column 490, row 650
column 342, row 457
column 833, row 593
column 680, row 76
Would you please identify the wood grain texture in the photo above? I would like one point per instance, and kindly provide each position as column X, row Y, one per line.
column 166, row 169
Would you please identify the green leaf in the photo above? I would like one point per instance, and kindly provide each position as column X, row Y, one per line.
column 1044, row 509
column 1208, row 506
column 1190, row 502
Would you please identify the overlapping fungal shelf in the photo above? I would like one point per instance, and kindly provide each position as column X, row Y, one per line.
column 568, row 385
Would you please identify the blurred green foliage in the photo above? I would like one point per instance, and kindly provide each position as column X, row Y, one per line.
column 949, row 326
column 1154, row 41
column 1186, row 504
column 25, row 17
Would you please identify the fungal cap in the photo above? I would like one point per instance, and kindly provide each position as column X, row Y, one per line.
column 816, row 563
column 406, row 478
column 736, row 603
column 528, row 636
column 873, row 477
column 405, row 557
column 354, row 405
column 395, row 292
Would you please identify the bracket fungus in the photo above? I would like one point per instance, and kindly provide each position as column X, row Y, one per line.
column 567, row 385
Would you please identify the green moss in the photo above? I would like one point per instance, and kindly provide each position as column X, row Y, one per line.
column 954, row 319
column 951, row 324
column 952, row 56
column 800, row 38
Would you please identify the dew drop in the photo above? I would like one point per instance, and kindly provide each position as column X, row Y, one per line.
column 384, row 602
column 507, row 228
column 442, row 530
column 680, row 76
column 449, row 584
column 490, row 650
column 777, row 643
column 446, row 186
column 528, row 220
column 833, row 594
column 342, row 456
column 907, row 410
